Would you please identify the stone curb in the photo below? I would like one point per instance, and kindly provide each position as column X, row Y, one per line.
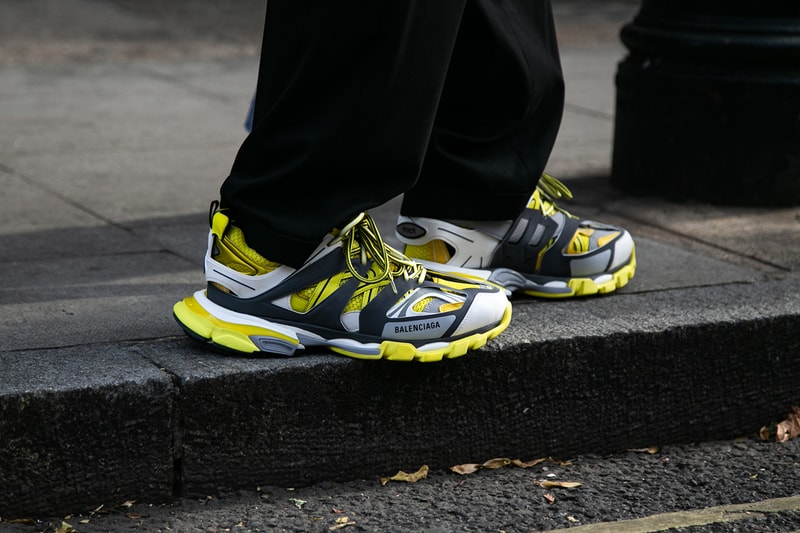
column 156, row 420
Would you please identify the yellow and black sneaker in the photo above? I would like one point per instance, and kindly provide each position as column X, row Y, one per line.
column 545, row 252
column 354, row 295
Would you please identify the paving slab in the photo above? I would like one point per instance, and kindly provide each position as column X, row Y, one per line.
column 88, row 299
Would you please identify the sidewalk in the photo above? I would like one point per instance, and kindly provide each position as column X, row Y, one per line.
column 110, row 154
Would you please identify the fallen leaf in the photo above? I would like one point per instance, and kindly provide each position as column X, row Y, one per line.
column 549, row 497
column 652, row 450
column 469, row 468
column 128, row 504
column 422, row 473
column 342, row 523
column 66, row 528
column 528, row 464
column 499, row 462
column 572, row 519
column 789, row 428
column 546, row 484
column 133, row 516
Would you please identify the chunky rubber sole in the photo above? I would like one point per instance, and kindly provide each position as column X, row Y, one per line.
column 232, row 332
column 575, row 287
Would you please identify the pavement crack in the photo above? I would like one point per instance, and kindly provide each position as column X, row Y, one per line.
column 177, row 423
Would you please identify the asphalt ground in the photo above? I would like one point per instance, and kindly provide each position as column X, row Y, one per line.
column 743, row 485
column 89, row 153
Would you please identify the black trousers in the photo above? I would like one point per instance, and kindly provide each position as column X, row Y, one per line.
column 455, row 103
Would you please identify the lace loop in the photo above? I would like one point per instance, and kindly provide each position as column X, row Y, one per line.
column 553, row 188
column 362, row 237
column 550, row 189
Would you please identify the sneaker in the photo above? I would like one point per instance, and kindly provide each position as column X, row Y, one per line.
column 355, row 295
column 545, row 252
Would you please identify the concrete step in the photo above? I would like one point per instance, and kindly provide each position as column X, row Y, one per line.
column 157, row 419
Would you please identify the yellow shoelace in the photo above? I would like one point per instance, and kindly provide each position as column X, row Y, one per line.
column 550, row 189
column 361, row 236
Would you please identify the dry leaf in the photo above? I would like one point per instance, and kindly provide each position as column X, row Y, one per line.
column 422, row 473
column 65, row 528
column 499, row 462
column 528, row 464
column 572, row 519
column 546, row 484
column 549, row 497
column 652, row 450
column 342, row 523
column 789, row 428
column 469, row 468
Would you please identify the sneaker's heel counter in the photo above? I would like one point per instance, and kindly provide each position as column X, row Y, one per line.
column 219, row 222
column 216, row 272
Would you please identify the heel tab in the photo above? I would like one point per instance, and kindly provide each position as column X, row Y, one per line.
column 217, row 220
column 219, row 223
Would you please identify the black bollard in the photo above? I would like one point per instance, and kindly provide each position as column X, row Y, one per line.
column 708, row 102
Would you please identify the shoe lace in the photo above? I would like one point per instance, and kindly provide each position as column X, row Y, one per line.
column 549, row 190
column 362, row 238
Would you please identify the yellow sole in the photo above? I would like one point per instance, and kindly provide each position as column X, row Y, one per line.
column 203, row 326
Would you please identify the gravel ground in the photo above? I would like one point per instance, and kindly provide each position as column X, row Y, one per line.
column 618, row 487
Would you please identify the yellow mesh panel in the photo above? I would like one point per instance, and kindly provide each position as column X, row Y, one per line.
column 236, row 237
column 420, row 306
column 233, row 252
column 239, row 267
column 435, row 250
column 301, row 300
column 356, row 303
